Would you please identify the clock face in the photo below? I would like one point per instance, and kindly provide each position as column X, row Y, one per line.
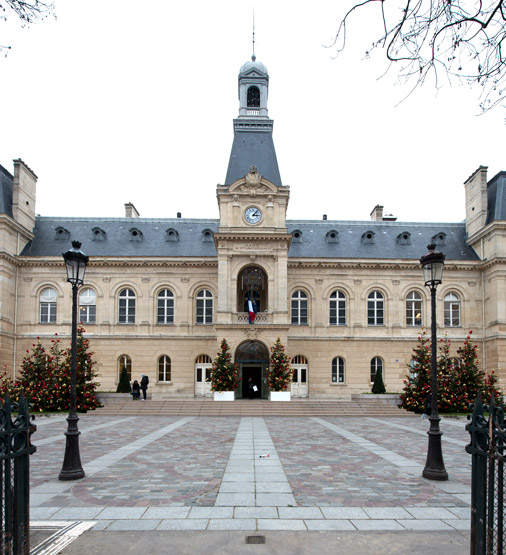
column 253, row 215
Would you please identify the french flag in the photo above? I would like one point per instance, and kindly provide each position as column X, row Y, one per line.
column 251, row 310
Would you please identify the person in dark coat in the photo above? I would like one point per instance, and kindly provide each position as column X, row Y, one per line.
column 136, row 390
column 251, row 388
column 144, row 386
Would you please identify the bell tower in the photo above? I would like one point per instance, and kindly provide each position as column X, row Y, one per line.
column 253, row 144
column 252, row 234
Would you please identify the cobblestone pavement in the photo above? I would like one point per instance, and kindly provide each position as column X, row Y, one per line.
column 192, row 473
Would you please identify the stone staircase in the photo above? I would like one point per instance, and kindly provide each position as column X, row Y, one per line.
column 255, row 407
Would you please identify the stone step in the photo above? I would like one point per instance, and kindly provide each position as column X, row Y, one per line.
column 257, row 407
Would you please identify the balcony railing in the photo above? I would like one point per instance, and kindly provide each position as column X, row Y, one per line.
column 260, row 318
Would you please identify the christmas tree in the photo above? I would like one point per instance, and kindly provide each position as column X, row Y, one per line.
column 224, row 376
column 38, row 377
column 86, row 386
column 378, row 387
column 45, row 376
column 450, row 392
column 418, row 384
column 279, row 375
column 124, row 383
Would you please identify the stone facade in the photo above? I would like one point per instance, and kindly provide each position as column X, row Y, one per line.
column 302, row 268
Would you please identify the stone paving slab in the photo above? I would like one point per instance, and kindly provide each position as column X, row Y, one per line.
column 322, row 474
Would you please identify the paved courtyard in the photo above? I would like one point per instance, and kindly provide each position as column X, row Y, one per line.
column 250, row 474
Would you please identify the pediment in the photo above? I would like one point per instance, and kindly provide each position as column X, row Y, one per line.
column 253, row 183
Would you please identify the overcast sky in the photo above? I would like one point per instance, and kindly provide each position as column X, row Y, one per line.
column 124, row 101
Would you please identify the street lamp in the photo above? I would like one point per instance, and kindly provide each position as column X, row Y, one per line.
column 432, row 265
column 75, row 261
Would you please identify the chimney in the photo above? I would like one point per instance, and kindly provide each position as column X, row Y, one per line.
column 23, row 195
column 377, row 213
column 131, row 211
column 179, row 214
column 324, row 217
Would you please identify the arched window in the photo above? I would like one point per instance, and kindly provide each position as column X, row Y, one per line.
column 414, row 309
column 124, row 361
column 126, row 307
column 204, row 307
column 165, row 307
column 48, row 306
column 299, row 308
column 337, row 309
column 253, row 100
column 164, row 369
column 452, row 310
column 376, row 366
column 338, row 370
column 87, row 306
column 375, row 309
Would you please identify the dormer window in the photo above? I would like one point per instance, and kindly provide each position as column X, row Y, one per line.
column 135, row 234
column 332, row 236
column 62, row 234
column 253, row 100
column 98, row 234
column 439, row 239
column 207, row 236
column 368, row 238
column 404, row 238
column 297, row 236
column 171, row 235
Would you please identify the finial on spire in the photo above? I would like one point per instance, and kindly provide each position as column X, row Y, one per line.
column 253, row 57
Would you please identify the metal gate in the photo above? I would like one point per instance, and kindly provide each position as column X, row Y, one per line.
column 487, row 478
column 15, row 451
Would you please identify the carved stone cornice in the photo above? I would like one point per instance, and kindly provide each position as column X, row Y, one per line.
column 124, row 262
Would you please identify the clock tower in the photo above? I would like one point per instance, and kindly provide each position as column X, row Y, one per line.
column 252, row 233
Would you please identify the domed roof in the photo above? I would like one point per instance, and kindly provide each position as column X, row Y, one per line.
column 253, row 64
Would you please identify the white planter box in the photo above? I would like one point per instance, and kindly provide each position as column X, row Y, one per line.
column 224, row 395
column 279, row 395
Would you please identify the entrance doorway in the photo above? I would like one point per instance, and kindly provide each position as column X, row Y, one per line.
column 300, row 376
column 252, row 357
column 203, row 369
column 255, row 373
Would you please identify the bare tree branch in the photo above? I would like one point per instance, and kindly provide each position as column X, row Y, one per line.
column 462, row 38
column 28, row 12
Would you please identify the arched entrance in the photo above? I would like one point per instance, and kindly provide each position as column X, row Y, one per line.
column 252, row 357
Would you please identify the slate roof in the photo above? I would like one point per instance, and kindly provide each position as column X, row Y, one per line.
column 5, row 192
column 377, row 240
column 118, row 238
column 253, row 146
column 496, row 192
column 388, row 240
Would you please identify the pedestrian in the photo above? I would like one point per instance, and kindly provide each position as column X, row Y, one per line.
column 144, row 386
column 251, row 388
column 427, row 407
column 136, row 390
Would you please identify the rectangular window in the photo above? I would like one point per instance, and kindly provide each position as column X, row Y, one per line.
column 87, row 314
column 48, row 313
column 126, row 311
column 452, row 314
column 165, row 311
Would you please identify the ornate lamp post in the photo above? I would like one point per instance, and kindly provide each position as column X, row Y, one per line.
column 432, row 265
column 75, row 261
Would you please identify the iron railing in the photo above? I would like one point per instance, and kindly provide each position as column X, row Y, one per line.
column 15, row 451
column 488, row 437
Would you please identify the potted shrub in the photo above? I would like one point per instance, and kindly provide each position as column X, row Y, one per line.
column 279, row 376
column 224, row 379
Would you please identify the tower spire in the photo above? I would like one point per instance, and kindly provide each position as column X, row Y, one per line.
column 253, row 57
